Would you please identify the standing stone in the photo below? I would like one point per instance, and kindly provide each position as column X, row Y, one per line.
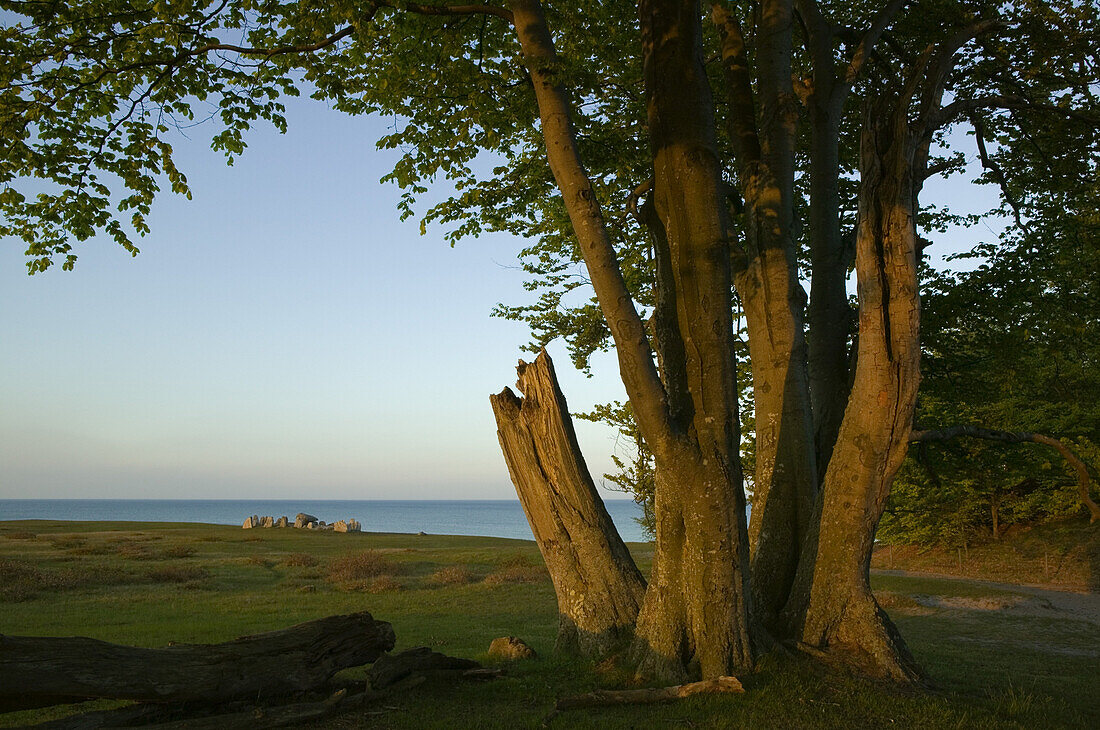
column 248, row 523
column 340, row 526
column 354, row 526
column 267, row 522
column 303, row 519
column 282, row 521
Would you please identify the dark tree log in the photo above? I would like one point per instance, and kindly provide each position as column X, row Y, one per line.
column 35, row 671
column 390, row 675
column 392, row 668
column 598, row 586
column 1016, row 437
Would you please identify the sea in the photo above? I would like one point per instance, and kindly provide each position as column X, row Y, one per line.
column 486, row 518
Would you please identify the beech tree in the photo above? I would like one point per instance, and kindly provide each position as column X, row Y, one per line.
column 694, row 159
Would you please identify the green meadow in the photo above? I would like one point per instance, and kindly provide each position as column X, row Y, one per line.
column 998, row 659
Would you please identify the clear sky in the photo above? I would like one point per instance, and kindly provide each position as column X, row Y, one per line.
column 282, row 335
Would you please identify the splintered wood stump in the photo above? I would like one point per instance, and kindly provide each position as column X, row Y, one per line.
column 598, row 586
column 40, row 671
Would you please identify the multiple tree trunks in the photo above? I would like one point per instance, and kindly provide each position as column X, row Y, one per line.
column 598, row 586
column 786, row 476
column 38, row 671
column 695, row 616
column 832, row 609
column 1079, row 467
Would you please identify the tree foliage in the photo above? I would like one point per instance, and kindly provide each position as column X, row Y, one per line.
column 1013, row 344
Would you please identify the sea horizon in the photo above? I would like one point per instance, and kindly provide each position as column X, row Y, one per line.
column 473, row 517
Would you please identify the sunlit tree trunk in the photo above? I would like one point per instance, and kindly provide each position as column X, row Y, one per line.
column 598, row 586
column 695, row 616
column 832, row 610
column 772, row 299
column 694, row 619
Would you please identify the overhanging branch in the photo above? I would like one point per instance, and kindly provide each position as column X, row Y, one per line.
column 1015, row 437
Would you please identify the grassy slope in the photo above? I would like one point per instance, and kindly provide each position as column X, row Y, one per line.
column 1064, row 553
column 148, row 584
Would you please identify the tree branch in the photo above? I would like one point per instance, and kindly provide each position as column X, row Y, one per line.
column 941, row 64
column 735, row 64
column 1013, row 437
column 998, row 174
column 636, row 366
column 964, row 107
column 867, row 43
column 424, row 9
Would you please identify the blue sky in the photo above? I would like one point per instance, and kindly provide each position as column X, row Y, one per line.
column 282, row 335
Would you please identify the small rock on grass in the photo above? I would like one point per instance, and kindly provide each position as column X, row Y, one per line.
column 510, row 648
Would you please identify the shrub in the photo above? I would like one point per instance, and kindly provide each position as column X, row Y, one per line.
column 67, row 543
column 19, row 581
column 20, row 535
column 453, row 575
column 133, row 551
column 517, row 569
column 299, row 560
column 259, row 561
column 383, row 584
column 92, row 549
column 361, row 566
column 177, row 551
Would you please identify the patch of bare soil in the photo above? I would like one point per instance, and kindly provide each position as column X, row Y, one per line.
column 1018, row 601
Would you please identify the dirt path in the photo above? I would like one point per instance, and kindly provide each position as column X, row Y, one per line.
column 1024, row 600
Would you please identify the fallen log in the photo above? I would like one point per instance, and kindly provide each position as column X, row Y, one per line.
column 39, row 671
column 646, row 696
column 391, row 668
column 391, row 674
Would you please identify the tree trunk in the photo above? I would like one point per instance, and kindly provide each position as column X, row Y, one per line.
column 38, row 671
column 785, row 482
column 773, row 301
column 829, row 313
column 694, row 621
column 832, row 610
column 598, row 586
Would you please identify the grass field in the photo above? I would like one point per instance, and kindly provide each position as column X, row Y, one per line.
column 998, row 660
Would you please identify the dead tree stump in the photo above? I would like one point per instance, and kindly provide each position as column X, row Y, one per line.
column 598, row 586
